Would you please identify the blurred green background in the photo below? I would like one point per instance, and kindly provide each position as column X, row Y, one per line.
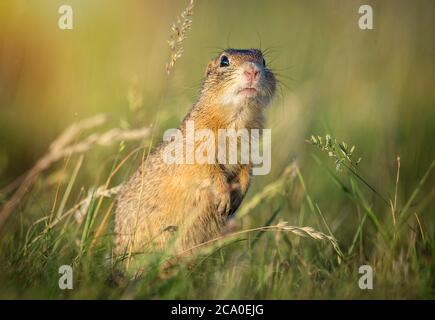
column 373, row 88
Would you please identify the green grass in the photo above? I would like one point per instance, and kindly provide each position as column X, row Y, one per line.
column 373, row 89
column 259, row 264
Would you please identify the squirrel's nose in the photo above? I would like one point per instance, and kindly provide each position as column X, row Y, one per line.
column 252, row 73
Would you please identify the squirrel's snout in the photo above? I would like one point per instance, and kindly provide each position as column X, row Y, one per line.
column 251, row 73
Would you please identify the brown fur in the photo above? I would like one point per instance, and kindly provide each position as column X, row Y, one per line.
column 193, row 202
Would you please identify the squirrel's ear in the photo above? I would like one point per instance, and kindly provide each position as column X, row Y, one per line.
column 209, row 68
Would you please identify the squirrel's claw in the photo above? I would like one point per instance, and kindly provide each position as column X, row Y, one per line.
column 224, row 205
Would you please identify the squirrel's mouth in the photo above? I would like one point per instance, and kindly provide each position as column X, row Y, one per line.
column 248, row 92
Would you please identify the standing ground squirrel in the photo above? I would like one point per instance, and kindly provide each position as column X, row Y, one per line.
column 191, row 203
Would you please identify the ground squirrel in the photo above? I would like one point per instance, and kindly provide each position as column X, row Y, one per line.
column 192, row 203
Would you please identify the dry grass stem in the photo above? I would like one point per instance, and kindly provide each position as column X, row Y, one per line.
column 64, row 146
column 281, row 226
column 179, row 31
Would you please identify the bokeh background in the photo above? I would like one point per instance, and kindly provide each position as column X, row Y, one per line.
column 372, row 88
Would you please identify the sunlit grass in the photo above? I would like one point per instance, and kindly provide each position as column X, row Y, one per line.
column 370, row 89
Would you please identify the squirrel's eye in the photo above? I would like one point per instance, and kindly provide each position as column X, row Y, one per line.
column 264, row 63
column 224, row 61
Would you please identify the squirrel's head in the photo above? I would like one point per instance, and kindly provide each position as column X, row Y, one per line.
column 238, row 77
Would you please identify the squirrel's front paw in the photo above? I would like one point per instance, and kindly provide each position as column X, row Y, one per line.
column 223, row 204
